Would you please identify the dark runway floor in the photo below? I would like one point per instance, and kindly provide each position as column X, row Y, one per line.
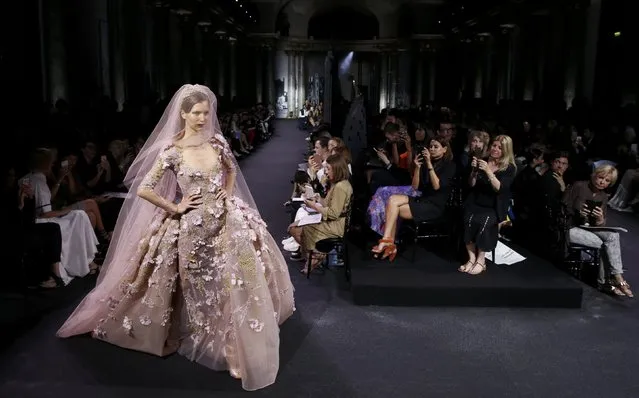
column 332, row 348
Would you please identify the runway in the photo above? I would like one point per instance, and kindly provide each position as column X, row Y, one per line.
column 332, row 348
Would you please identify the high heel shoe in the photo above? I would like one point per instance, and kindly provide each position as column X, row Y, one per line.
column 386, row 248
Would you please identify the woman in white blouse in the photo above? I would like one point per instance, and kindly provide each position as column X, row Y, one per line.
column 79, row 242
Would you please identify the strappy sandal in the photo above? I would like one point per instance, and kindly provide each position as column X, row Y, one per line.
column 468, row 265
column 623, row 286
column 386, row 248
column 477, row 264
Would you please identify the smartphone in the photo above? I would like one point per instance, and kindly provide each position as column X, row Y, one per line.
column 64, row 164
column 591, row 204
column 633, row 148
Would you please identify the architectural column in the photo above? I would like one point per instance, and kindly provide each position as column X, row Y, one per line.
column 593, row 19
column 290, row 81
column 149, row 59
column 175, row 46
column 117, row 37
column 221, row 67
column 259, row 75
column 233, row 66
column 511, row 62
column 55, row 55
column 432, row 76
column 301, row 80
column 383, row 81
column 393, row 61
column 419, row 79
column 572, row 52
column 328, row 87
column 270, row 75
column 403, row 91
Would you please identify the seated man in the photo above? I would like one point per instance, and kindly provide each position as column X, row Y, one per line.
column 547, row 203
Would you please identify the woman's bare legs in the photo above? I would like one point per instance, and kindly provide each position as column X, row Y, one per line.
column 397, row 207
column 92, row 209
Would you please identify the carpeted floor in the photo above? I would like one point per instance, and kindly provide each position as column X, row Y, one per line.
column 331, row 348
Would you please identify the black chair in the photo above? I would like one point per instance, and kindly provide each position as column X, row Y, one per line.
column 575, row 258
column 339, row 245
column 445, row 227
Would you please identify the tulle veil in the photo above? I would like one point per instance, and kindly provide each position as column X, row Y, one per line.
column 136, row 213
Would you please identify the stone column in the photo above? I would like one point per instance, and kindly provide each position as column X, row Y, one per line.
column 149, row 59
column 55, row 52
column 432, row 76
column 393, row 77
column 233, row 67
column 301, row 80
column 511, row 63
column 593, row 19
column 270, row 74
column 328, row 86
column 259, row 75
column 290, row 81
column 117, row 38
column 419, row 78
column 221, row 67
column 383, row 81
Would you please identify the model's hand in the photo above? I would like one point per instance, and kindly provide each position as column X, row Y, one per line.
column 189, row 203
column 221, row 195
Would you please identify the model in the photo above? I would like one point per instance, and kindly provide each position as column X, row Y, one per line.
column 201, row 276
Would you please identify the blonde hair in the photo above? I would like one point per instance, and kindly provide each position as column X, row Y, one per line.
column 507, row 152
column 606, row 170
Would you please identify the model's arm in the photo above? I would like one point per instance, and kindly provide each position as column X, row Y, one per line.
column 147, row 188
column 229, row 166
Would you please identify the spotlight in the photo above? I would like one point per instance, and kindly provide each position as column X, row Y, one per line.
column 617, row 34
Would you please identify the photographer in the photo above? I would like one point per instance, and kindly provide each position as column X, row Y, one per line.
column 586, row 207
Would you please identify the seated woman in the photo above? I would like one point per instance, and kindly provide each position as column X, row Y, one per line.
column 68, row 192
column 317, row 165
column 40, row 243
column 477, row 146
column 586, row 204
column 79, row 242
column 434, row 183
column 487, row 203
column 332, row 208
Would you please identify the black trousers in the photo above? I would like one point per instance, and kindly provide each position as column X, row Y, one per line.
column 43, row 248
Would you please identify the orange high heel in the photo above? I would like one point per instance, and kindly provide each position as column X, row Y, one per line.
column 388, row 249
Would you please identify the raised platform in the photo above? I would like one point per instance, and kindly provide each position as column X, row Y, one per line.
column 433, row 280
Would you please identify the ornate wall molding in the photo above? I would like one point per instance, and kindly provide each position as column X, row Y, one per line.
column 425, row 42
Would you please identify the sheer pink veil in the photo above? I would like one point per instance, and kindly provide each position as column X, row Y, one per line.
column 137, row 214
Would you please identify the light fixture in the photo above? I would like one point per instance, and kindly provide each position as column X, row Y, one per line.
column 617, row 34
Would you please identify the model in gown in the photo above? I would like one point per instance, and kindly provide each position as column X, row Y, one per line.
column 202, row 277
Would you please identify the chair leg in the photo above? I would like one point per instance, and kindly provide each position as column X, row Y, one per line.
column 309, row 262
column 347, row 265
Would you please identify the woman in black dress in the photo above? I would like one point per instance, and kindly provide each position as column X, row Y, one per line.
column 434, row 172
column 487, row 203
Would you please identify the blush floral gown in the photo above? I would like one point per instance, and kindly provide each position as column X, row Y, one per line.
column 211, row 284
